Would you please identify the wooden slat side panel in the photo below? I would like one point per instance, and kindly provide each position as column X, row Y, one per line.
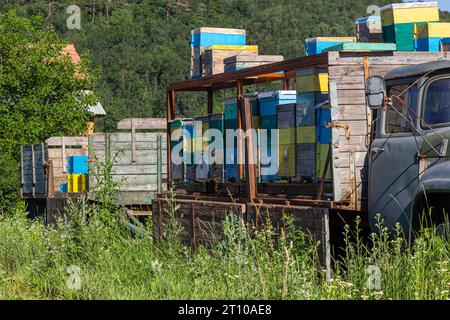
column 348, row 107
column 68, row 141
column 202, row 221
column 309, row 219
column 126, row 137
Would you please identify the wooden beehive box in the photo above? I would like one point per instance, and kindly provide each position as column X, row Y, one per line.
column 214, row 57
column 136, row 162
column 33, row 160
column 201, row 38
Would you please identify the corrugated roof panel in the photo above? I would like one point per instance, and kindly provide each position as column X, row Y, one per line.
column 97, row 110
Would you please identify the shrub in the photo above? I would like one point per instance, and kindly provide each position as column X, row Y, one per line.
column 9, row 183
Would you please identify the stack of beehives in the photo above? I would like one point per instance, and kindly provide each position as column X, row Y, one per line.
column 312, row 90
column 216, row 50
column 78, row 170
column 204, row 38
column 401, row 20
column 412, row 26
column 201, row 125
column 244, row 61
column 269, row 103
column 183, row 168
column 368, row 29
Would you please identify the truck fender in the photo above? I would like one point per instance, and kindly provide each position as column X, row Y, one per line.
column 432, row 181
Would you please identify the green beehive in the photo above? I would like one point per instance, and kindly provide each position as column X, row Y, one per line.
column 216, row 167
column 183, row 171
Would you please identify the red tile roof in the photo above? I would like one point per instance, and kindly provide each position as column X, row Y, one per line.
column 71, row 51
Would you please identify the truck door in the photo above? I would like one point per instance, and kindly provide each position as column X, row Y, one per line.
column 434, row 162
column 393, row 158
column 435, row 120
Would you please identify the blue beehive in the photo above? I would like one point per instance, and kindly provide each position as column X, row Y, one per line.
column 201, row 38
column 306, row 103
column 268, row 102
column 78, row 165
column 205, row 37
column 320, row 44
column 323, row 115
column 63, row 187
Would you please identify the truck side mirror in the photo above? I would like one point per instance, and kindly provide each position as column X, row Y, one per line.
column 376, row 91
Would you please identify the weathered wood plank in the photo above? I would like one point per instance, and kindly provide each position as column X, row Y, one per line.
column 351, row 97
column 68, row 141
column 395, row 58
column 137, row 169
column 356, row 143
column 55, row 153
column 350, row 112
column 142, row 123
column 342, row 160
column 128, row 145
column 143, row 157
column 126, row 137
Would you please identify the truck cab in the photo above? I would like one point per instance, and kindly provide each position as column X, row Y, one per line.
column 409, row 167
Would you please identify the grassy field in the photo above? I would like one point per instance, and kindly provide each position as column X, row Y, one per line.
column 102, row 259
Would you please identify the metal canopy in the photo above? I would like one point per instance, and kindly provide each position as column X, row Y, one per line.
column 277, row 71
column 258, row 74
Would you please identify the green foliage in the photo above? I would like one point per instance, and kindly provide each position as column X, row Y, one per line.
column 139, row 47
column 243, row 264
column 40, row 95
column 9, row 183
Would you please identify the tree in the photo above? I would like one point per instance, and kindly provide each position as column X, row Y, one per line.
column 40, row 89
column 40, row 94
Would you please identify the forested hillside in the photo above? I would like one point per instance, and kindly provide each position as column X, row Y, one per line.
column 138, row 47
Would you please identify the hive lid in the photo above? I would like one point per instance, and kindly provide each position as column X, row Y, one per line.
column 410, row 5
column 272, row 94
column 368, row 19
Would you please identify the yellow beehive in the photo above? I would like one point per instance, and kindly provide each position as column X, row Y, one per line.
column 286, row 135
column 409, row 12
column 432, row 30
column 313, row 83
column 286, row 160
column 77, row 183
column 321, row 159
column 306, row 134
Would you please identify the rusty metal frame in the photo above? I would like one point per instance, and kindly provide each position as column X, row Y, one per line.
column 238, row 79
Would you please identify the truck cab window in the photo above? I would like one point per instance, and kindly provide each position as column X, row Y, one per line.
column 437, row 103
column 403, row 109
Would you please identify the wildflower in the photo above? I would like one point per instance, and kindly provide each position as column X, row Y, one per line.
column 156, row 266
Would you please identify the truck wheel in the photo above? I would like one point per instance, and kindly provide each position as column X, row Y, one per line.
column 431, row 212
column 443, row 230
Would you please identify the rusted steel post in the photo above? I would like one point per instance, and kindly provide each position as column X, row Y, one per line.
column 239, row 93
column 286, row 83
column 249, row 152
column 170, row 115
column 50, row 179
column 324, row 174
column 210, row 101
column 368, row 110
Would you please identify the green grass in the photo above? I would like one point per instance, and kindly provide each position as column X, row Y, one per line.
column 115, row 264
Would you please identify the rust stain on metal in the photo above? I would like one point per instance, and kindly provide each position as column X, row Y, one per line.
column 337, row 124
